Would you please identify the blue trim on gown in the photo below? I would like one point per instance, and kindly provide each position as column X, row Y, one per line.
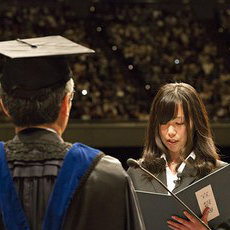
column 12, row 213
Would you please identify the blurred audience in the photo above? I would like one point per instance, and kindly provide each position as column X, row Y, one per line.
column 138, row 48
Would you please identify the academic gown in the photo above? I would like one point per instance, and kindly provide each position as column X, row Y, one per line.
column 103, row 200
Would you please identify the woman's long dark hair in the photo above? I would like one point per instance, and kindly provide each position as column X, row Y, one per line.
column 199, row 138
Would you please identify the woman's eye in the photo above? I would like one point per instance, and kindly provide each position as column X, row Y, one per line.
column 180, row 123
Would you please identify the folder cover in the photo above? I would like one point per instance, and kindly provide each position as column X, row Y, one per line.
column 212, row 190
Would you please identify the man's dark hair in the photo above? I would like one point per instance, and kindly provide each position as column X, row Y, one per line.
column 36, row 110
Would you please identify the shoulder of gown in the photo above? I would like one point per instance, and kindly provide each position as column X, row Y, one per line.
column 109, row 195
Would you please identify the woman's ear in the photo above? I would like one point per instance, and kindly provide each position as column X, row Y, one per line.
column 4, row 109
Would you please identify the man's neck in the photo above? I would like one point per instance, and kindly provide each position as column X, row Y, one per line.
column 50, row 127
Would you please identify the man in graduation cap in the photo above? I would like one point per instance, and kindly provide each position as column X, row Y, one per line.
column 46, row 183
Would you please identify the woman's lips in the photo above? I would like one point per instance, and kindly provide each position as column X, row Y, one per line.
column 172, row 142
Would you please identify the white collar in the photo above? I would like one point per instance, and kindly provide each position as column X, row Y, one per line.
column 172, row 179
column 46, row 128
column 192, row 155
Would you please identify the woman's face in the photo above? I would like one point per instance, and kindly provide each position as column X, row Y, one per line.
column 174, row 133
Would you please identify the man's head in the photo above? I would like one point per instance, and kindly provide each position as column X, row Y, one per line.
column 36, row 82
column 33, row 89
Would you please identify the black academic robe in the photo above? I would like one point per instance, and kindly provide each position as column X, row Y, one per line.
column 104, row 199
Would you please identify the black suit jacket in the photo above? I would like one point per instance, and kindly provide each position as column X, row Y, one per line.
column 141, row 182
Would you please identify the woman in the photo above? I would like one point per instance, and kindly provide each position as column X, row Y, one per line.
column 179, row 145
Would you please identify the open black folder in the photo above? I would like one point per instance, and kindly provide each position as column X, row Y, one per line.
column 158, row 208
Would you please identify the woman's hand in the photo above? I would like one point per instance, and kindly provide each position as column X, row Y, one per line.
column 191, row 224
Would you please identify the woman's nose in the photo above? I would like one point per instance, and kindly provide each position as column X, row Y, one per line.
column 171, row 131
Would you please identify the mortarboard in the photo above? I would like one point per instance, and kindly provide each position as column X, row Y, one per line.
column 37, row 63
